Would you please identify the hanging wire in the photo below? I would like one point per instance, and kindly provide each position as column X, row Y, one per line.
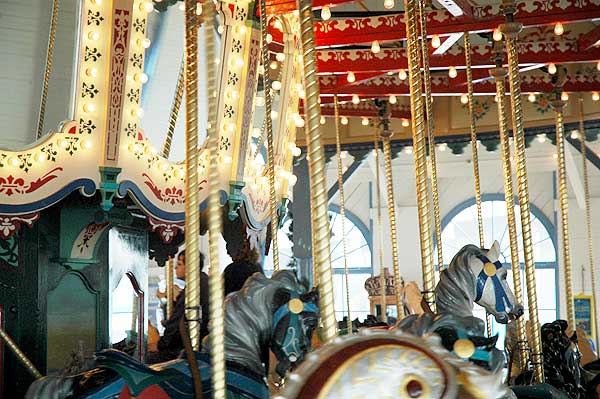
column 431, row 138
column 316, row 171
column 588, row 215
column 558, row 105
column 510, row 30
column 47, row 68
column 338, row 147
column 382, row 282
column 420, row 156
column 499, row 74
column 215, row 214
column 174, row 110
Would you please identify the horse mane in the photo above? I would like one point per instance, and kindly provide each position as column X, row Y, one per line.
column 455, row 292
column 249, row 318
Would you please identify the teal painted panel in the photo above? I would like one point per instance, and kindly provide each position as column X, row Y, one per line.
column 9, row 251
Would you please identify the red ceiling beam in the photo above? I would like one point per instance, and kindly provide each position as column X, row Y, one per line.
column 364, row 108
column 589, row 39
column 558, row 52
column 284, row 6
column 343, row 32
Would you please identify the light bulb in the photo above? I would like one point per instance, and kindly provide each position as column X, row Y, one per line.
column 595, row 96
column 89, row 107
column 402, row 74
column 227, row 159
column 325, row 13
column 442, row 147
column 91, row 72
column 564, row 96
column 452, row 72
column 276, row 85
column 93, row 35
column 147, row 6
column 86, row 144
column 292, row 179
column 96, row 2
column 220, row 29
column 598, row 66
column 343, row 154
column 296, row 152
column 351, row 78
column 273, row 65
column 365, row 121
column 322, row 120
column 14, row 161
column 280, row 57
column 274, row 115
column 145, row 42
column 375, row 48
column 64, row 143
column 355, row 99
column 344, row 120
column 408, row 149
column 388, row 4
column 139, row 112
column 198, row 8
column 405, row 122
column 531, row 97
column 392, row 99
column 301, row 94
column 497, row 35
column 559, row 29
column 298, row 120
column 269, row 38
column 435, row 41
column 575, row 134
column 464, row 99
column 551, row 69
column 541, row 138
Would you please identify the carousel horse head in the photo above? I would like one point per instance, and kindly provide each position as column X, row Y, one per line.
column 477, row 276
column 277, row 314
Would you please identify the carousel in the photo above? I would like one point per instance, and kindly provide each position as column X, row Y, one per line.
column 238, row 138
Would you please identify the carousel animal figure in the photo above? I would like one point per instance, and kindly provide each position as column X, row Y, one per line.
column 276, row 314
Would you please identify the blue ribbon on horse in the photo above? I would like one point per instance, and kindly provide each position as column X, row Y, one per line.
column 501, row 296
column 290, row 341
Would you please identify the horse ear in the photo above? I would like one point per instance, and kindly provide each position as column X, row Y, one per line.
column 311, row 296
column 493, row 254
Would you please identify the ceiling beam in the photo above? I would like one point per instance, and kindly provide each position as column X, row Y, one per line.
column 457, row 7
column 449, row 42
column 589, row 39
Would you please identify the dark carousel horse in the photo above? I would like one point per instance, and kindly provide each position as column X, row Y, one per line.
column 274, row 314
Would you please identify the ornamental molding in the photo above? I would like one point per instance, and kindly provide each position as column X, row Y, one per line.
column 11, row 224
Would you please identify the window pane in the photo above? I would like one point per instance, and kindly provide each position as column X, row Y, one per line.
column 359, row 299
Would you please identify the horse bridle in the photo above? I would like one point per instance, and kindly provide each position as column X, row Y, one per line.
column 490, row 270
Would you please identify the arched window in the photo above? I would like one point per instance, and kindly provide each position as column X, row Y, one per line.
column 459, row 228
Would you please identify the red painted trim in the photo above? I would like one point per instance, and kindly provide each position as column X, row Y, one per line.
column 283, row 6
column 588, row 39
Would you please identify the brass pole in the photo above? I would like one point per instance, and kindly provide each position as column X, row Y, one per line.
column 174, row 110
column 47, row 68
column 563, row 196
column 217, row 311
column 169, row 277
column 588, row 215
column 420, row 156
column 192, row 213
column 499, row 74
column 382, row 282
column 19, row 354
column 338, row 147
column 511, row 30
column 431, row 138
column 317, row 170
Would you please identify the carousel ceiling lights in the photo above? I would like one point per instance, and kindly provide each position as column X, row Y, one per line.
column 355, row 99
column 322, row 120
column 273, row 65
column 91, row 72
column 575, row 134
column 365, row 121
column 351, row 78
column 375, row 48
column 559, row 29
column 436, row 42
column 198, row 8
column 541, row 138
column 564, row 96
column 598, row 66
column 402, row 74
column 595, row 96
column 551, row 69
column 442, row 147
column 344, row 120
column 280, row 57
column 93, row 35
column 531, row 97
column 388, row 4
column 392, row 99
column 452, row 72
column 276, row 85
column 497, row 35
column 325, row 13
column 405, row 123
column 269, row 38
column 147, row 6
column 464, row 99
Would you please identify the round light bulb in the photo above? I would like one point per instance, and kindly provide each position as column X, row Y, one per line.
column 365, row 121
column 322, row 120
column 325, row 13
column 564, row 96
column 351, row 78
column 145, row 42
column 91, row 72
column 464, row 98
column 375, row 48
column 405, row 122
column 392, row 99
column 497, row 35
column 14, row 161
column 355, row 99
column 276, row 85
column 296, row 152
column 388, row 4
column 93, row 35
column 551, row 69
column 595, row 96
column 436, row 42
column 402, row 74
column 273, row 65
column 269, row 38
column 452, row 72
column 139, row 112
column 64, row 143
column 86, row 144
column 147, row 6
column 41, row 157
column 220, row 29
column 344, row 120
column 541, row 138
column 198, row 8
column 89, row 107
column 531, row 97
column 575, row 134
column 559, row 29
column 280, row 57
column 408, row 149
column 442, row 147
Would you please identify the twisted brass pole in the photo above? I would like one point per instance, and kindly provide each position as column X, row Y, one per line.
column 192, row 213
column 169, row 276
column 47, row 68
column 511, row 30
column 217, row 311
column 338, row 146
column 273, row 205
column 563, row 196
column 499, row 74
column 431, row 138
column 174, row 111
column 420, row 156
column 19, row 354
column 316, row 170
column 588, row 216
column 382, row 282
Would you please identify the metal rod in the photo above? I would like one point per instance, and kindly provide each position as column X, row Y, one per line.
column 169, row 278
column 511, row 31
column 174, row 110
column 499, row 74
column 47, row 68
column 316, row 170
column 192, row 214
column 588, row 216
column 382, row 282
column 19, row 354
column 338, row 146
column 563, row 196
column 431, row 138
column 420, row 156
